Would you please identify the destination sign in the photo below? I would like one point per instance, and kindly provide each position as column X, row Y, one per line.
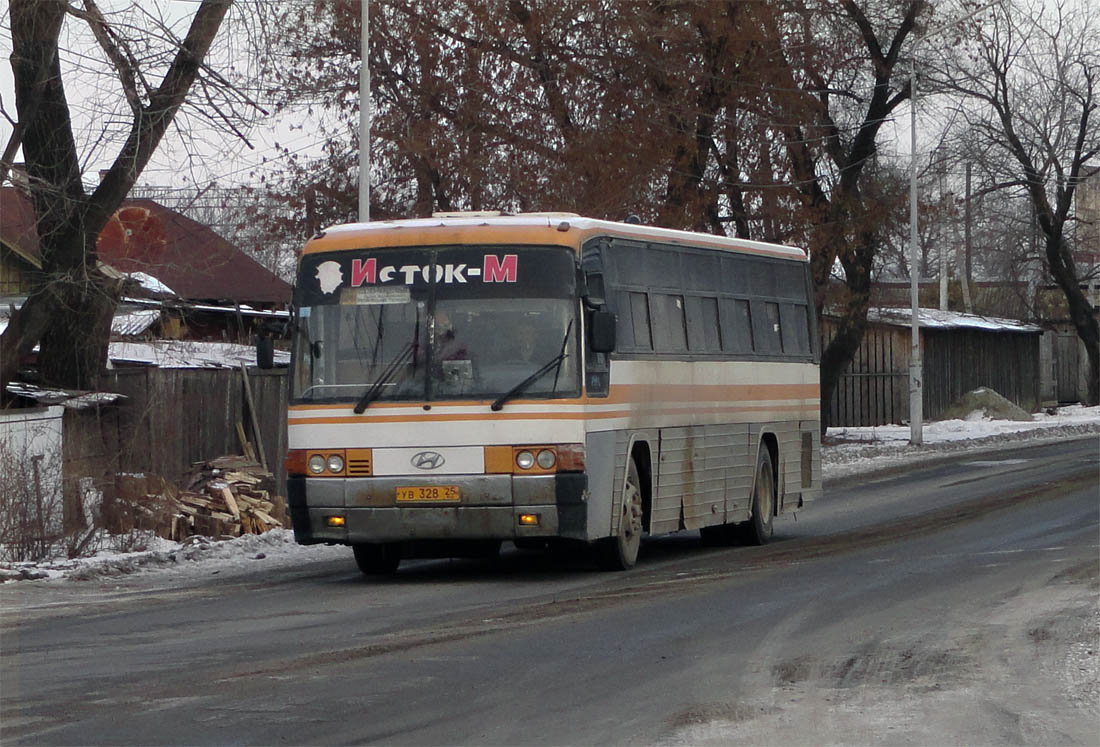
column 347, row 277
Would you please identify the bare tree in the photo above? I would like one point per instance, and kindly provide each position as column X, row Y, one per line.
column 1031, row 79
column 832, row 152
column 757, row 119
column 69, row 315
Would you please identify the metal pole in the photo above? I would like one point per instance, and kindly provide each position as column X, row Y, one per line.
column 916, row 412
column 364, row 118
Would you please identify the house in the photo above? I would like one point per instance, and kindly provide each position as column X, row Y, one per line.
column 200, row 284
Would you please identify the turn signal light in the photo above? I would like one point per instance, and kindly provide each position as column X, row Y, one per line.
column 528, row 520
column 335, row 521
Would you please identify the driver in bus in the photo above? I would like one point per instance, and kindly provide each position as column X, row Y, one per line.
column 449, row 349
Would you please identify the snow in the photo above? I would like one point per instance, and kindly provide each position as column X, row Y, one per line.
column 150, row 283
column 846, row 452
column 849, row 451
column 941, row 319
column 189, row 354
column 133, row 322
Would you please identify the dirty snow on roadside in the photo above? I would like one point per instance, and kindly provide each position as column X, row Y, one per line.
column 851, row 451
column 846, row 451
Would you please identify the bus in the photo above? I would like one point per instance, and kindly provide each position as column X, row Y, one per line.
column 468, row 379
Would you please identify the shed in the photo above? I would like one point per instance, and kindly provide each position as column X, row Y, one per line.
column 960, row 352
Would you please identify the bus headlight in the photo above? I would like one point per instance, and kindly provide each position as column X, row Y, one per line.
column 547, row 459
column 317, row 464
column 335, row 463
column 525, row 460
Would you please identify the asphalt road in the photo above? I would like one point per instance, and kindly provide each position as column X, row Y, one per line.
column 954, row 603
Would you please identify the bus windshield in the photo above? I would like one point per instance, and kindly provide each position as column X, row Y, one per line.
column 427, row 339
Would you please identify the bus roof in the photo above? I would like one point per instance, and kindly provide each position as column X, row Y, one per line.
column 561, row 229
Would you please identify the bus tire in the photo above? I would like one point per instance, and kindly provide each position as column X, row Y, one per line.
column 758, row 529
column 620, row 552
column 377, row 559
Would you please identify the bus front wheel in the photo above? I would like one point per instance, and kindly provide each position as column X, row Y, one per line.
column 620, row 552
column 377, row 559
column 758, row 529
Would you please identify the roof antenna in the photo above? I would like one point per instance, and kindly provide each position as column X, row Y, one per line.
column 633, row 220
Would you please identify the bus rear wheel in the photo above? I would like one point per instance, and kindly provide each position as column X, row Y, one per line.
column 758, row 529
column 377, row 559
column 620, row 553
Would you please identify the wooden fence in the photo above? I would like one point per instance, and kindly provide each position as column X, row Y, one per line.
column 874, row 390
column 172, row 418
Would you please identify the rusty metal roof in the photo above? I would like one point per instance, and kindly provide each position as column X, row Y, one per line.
column 144, row 236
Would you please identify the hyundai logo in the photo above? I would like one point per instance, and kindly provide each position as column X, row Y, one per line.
column 427, row 460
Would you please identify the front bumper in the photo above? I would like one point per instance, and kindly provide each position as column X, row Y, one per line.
column 490, row 507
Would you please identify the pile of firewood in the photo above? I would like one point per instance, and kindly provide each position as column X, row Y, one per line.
column 229, row 495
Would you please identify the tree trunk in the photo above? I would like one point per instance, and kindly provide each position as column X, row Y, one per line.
column 1084, row 321
column 853, row 322
column 70, row 315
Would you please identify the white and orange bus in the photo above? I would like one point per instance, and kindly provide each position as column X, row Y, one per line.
column 468, row 379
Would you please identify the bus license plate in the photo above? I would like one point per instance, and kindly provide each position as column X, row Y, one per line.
column 428, row 494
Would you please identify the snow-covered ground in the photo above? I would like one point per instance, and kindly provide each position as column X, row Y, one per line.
column 846, row 452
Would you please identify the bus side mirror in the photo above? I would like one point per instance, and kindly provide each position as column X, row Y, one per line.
column 602, row 332
column 593, row 289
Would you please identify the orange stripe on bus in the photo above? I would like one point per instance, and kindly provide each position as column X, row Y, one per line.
column 811, row 408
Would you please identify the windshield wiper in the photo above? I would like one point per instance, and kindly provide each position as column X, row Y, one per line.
column 555, row 361
column 384, row 378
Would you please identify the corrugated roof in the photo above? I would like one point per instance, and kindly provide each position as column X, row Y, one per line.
column 144, row 236
column 133, row 322
column 188, row 354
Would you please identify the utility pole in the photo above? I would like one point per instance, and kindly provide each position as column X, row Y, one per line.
column 364, row 117
column 916, row 411
column 942, row 249
column 964, row 264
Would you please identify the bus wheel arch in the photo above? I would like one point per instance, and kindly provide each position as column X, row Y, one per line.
column 619, row 552
column 642, row 457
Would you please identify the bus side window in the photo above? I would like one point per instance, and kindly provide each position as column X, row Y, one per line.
column 736, row 324
column 704, row 328
column 766, row 329
column 670, row 331
column 639, row 319
column 795, row 324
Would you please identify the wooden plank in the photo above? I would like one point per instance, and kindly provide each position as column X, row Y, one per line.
column 267, row 518
column 246, row 446
column 231, row 502
column 245, row 477
column 252, row 415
